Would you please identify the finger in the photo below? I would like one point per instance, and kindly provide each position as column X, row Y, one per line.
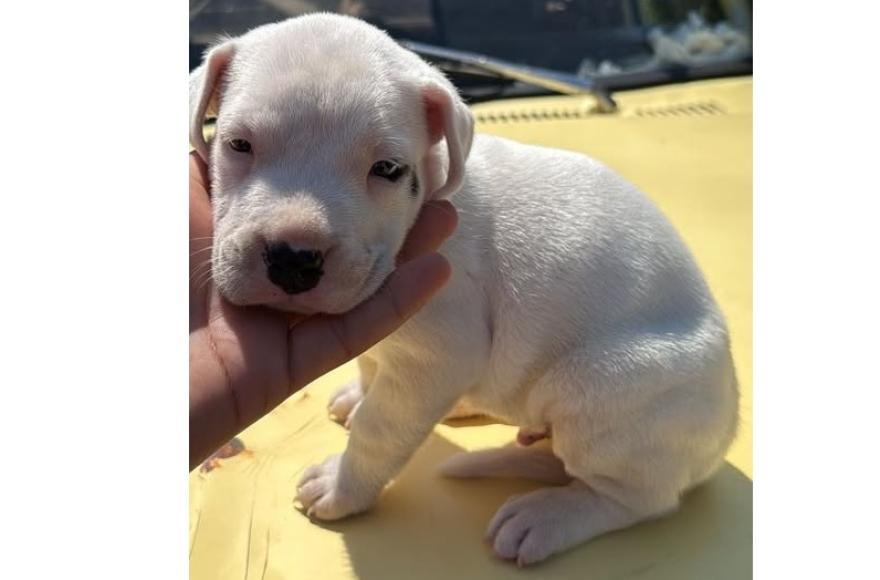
column 322, row 343
column 436, row 222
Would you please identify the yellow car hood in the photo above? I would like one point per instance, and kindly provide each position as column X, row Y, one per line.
column 686, row 146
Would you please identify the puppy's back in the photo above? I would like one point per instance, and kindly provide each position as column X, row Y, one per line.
column 572, row 241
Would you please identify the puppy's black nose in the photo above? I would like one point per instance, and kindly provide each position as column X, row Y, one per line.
column 293, row 271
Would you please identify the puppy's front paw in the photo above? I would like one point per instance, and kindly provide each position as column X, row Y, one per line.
column 345, row 402
column 325, row 497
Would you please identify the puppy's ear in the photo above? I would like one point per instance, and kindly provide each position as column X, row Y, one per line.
column 449, row 118
column 203, row 97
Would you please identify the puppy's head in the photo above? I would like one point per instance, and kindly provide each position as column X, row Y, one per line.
column 329, row 137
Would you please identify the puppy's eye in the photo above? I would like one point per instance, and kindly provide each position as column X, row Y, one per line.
column 240, row 145
column 390, row 170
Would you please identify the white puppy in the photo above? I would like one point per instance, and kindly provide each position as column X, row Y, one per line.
column 574, row 309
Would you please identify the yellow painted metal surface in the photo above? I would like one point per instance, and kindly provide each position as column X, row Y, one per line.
column 689, row 148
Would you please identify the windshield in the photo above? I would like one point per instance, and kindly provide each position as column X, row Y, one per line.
column 616, row 43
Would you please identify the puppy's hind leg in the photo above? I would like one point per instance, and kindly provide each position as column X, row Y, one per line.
column 536, row 463
column 528, row 528
column 531, row 527
column 644, row 433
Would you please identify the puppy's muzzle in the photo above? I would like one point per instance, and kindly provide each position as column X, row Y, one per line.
column 293, row 270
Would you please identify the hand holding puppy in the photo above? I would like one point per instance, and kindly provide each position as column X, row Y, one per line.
column 244, row 361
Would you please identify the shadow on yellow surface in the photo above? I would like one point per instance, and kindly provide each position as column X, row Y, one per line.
column 244, row 523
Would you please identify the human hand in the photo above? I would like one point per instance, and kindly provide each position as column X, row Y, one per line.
column 244, row 361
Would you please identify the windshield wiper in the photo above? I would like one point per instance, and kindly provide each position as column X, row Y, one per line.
column 556, row 81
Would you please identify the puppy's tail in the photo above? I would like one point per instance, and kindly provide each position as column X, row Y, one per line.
column 534, row 463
